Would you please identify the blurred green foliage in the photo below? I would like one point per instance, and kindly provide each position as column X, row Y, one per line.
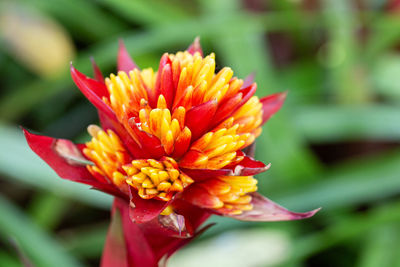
column 334, row 144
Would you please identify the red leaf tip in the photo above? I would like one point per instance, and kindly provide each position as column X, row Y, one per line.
column 124, row 60
column 272, row 103
column 249, row 80
column 282, row 96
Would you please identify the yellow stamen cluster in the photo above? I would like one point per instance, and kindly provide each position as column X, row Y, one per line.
column 194, row 77
column 249, row 118
column 159, row 122
column 237, row 200
column 230, row 193
column 197, row 81
column 214, row 150
column 152, row 178
column 126, row 91
column 106, row 151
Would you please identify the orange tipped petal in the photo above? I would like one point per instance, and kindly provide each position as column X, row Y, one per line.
column 186, row 99
column 182, row 143
column 153, row 94
column 113, row 124
column 247, row 92
column 193, row 159
column 204, row 174
column 200, row 197
column 198, row 118
column 150, row 143
column 167, row 86
column 216, row 187
column 226, row 108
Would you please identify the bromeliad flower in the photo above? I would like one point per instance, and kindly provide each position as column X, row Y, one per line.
column 171, row 149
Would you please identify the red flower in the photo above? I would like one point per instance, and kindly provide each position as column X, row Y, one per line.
column 171, row 150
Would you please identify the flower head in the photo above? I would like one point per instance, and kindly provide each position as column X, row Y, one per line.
column 171, row 142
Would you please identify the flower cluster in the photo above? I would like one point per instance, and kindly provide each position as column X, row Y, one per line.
column 173, row 148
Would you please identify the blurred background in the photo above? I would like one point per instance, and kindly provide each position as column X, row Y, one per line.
column 334, row 144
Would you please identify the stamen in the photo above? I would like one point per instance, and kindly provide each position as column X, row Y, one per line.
column 215, row 150
column 159, row 123
column 108, row 153
column 126, row 92
column 232, row 191
column 156, row 179
column 249, row 118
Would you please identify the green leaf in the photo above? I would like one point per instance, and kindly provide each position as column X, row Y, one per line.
column 381, row 247
column 86, row 241
column 362, row 181
column 151, row 12
column 384, row 34
column 45, row 204
column 349, row 228
column 329, row 123
column 97, row 24
column 8, row 260
column 385, row 76
column 40, row 248
column 340, row 54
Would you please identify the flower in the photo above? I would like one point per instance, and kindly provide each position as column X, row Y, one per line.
column 173, row 148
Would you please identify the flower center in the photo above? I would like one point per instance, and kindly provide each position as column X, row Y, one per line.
column 153, row 178
column 159, row 105
column 170, row 130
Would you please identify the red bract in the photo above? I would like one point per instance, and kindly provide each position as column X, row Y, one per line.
column 171, row 149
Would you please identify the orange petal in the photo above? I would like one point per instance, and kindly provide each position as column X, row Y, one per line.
column 182, row 143
column 216, row 186
column 193, row 159
column 200, row 197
